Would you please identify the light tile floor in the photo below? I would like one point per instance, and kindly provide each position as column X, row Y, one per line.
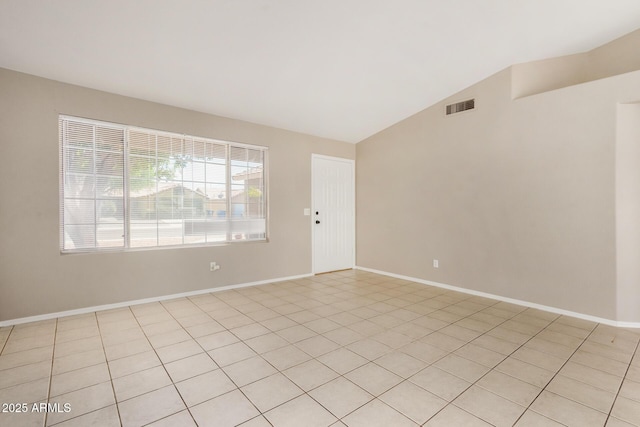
column 347, row 348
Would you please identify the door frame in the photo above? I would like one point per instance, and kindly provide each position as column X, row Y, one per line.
column 352, row 162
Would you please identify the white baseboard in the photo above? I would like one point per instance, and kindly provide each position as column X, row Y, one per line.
column 509, row 300
column 142, row 301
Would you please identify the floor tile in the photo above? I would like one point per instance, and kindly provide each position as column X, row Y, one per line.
column 489, row 407
column 14, row 345
column 217, row 340
column 582, row 393
column 422, row 351
column 633, row 373
column 601, row 363
column 626, row 410
column 204, row 387
column 249, row 331
column 540, row 359
column 77, row 346
column 366, row 348
column 168, row 338
column 413, row 402
column 340, row 396
column 373, row 378
column 377, row 414
column 369, row 349
column 34, row 391
column 140, row 382
column 178, row 351
column 278, row 323
column 22, row 419
column 181, row 419
column 498, row 345
column 454, row 416
column 129, row 348
column 286, row 357
column 533, row 419
column 591, row 376
column 77, row 360
column 509, row 387
column 443, row 341
column 310, row 374
column 116, row 337
column 301, row 411
column 322, row 325
column 132, row 364
column 607, row 350
column 480, row 355
column 78, row 379
column 270, row 392
column 208, row 327
column 24, row 374
column 231, row 353
column 296, row 333
column 105, row 417
column 267, row 342
column 461, row 367
column 630, row 390
column 249, row 370
column 27, row 357
column 615, row 422
column 82, row 402
column 393, row 339
column 316, row 346
column 342, row 360
column 343, row 336
column 526, row 372
column 566, row 411
column 401, row 364
column 441, row 383
column 150, row 407
column 71, row 335
column 258, row 421
column 550, row 348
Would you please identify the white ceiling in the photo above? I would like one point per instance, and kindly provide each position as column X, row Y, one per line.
column 342, row 69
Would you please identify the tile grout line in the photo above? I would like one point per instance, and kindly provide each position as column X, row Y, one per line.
column 53, row 358
column 556, row 374
column 490, row 369
column 635, row 353
column 339, row 288
column 4, row 344
column 161, row 363
column 411, row 342
column 104, row 350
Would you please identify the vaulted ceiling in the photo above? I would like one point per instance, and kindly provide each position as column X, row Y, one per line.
column 341, row 69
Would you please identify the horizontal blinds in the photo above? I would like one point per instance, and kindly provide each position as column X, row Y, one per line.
column 92, row 185
column 158, row 189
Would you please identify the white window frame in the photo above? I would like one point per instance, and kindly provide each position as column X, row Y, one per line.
column 126, row 197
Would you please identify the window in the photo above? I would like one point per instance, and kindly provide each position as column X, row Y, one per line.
column 128, row 187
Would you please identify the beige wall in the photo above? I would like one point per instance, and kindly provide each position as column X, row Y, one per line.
column 549, row 74
column 516, row 198
column 616, row 57
column 36, row 279
column 628, row 211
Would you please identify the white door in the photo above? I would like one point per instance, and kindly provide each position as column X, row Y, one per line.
column 333, row 213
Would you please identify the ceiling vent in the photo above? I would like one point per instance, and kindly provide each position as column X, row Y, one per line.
column 459, row 107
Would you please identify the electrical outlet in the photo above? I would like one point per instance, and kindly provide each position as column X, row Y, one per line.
column 213, row 266
column 436, row 264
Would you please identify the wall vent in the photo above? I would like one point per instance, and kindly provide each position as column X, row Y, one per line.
column 459, row 107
